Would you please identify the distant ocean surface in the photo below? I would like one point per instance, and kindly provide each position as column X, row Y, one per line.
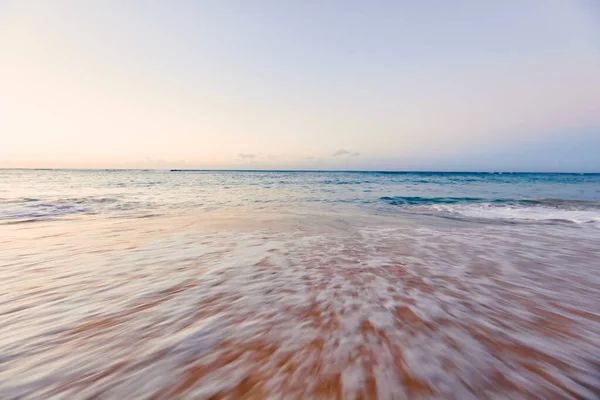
column 234, row 284
column 28, row 195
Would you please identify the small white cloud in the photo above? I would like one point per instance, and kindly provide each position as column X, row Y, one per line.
column 245, row 156
column 344, row 152
column 341, row 152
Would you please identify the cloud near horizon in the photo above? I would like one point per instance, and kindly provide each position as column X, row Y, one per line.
column 344, row 152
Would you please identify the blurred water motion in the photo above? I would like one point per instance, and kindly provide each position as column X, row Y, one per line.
column 208, row 295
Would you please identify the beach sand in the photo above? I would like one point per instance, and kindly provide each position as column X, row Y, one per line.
column 284, row 307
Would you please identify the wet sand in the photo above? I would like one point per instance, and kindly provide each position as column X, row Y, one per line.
column 292, row 307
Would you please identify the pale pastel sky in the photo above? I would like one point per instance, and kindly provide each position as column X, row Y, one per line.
column 301, row 84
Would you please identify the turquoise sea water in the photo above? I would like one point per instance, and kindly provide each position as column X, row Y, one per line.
column 298, row 285
column 33, row 195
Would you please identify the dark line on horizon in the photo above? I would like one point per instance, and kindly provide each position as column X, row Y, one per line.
column 301, row 171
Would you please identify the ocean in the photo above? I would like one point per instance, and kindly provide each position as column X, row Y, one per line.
column 250, row 284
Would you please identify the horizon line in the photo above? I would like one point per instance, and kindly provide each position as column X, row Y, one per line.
column 299, row 170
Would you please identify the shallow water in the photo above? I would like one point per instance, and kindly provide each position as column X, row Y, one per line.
column 141, row 284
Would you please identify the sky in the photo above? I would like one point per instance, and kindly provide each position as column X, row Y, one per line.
column 511, row 85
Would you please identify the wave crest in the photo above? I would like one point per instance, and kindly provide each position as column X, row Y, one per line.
column 531, row 210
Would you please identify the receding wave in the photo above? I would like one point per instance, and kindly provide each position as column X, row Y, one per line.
column 416, row 200
column 545, row 210
column 32, row 209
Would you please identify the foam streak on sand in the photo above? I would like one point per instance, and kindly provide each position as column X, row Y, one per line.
column 301, row 307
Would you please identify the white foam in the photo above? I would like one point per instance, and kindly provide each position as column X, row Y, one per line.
column 516, row 213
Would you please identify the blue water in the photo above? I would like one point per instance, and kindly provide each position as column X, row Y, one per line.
column 37, row 194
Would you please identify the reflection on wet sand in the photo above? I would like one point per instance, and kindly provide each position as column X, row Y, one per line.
column 298, row 310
